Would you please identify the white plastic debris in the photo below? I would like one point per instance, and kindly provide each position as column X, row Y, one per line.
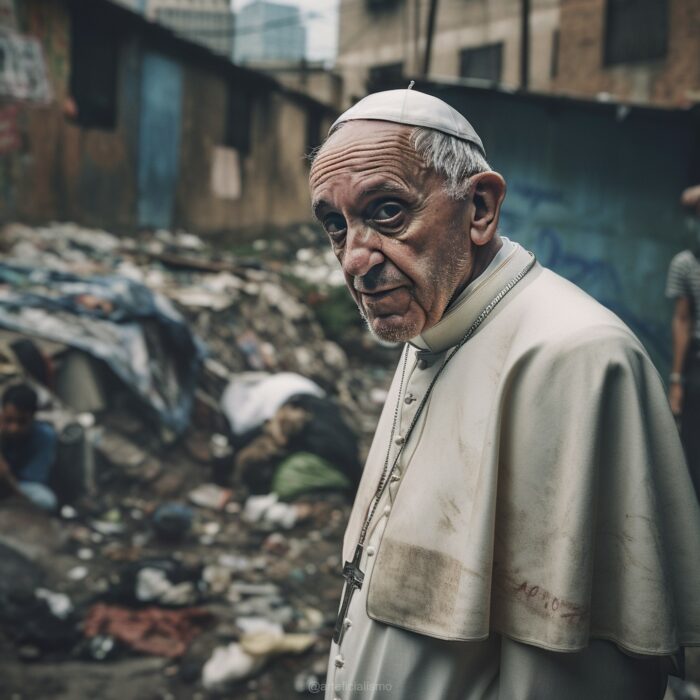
column 254, row 625
column 218, row 578
column 68, row 512
column 251, row 398
column 152, row 585
column 78, row 573
column 59, row 603
column 229, row 664
column 210, row 496
column 268, row 509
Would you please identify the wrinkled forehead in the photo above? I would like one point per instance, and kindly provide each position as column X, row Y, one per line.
column 366, row 147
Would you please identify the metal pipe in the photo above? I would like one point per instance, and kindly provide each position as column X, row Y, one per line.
column 525, row 45
column 430, row 30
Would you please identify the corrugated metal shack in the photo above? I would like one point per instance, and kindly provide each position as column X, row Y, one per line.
column 109, row 120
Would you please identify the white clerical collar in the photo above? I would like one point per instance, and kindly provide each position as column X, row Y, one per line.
column 463, row 311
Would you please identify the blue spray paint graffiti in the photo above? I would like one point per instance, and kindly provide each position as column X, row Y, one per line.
column 601, row 280
column 533, row 215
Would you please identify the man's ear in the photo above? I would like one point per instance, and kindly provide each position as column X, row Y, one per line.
column 488, row 191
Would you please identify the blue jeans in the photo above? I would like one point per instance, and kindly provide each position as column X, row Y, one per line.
column 41, row 496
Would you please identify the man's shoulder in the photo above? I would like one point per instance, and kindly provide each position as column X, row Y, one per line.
column 684, row 260
column 564, row 337
column 554, row 311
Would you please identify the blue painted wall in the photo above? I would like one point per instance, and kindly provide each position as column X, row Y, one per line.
column 159, row 139
column 593, row 190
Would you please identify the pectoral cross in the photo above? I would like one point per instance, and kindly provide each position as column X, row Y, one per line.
column 353, row 582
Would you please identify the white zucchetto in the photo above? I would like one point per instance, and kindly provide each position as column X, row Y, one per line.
column 414, row 109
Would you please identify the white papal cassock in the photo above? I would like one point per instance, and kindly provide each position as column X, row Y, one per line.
column 541, row 505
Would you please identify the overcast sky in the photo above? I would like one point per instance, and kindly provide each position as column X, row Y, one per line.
column 321, row 18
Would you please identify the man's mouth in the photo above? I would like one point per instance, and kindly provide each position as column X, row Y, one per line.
column 378, row 294
column 386, row 302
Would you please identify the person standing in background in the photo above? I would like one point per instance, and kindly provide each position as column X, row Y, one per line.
column 683, row 286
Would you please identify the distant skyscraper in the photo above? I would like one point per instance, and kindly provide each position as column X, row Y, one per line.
column 207, row 22
column 269, row 31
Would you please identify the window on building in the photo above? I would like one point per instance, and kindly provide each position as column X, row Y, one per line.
column 94, row 67
column 385, row 73
column 482, row 62
column 238, row 120
column 379, row 5
column 635, row 30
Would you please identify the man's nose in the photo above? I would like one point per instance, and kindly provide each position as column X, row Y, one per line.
column 363, row 250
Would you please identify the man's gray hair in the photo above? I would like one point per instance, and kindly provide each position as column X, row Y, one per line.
column 455, row 159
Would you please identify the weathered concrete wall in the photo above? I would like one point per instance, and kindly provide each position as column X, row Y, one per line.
column 594, row 191
column 672, row 80
column 273, row 174
column 369, row 38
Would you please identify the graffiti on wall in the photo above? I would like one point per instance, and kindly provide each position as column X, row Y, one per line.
column 601, row 279
column 533, row 218
column 49, row 23
column 22, row 68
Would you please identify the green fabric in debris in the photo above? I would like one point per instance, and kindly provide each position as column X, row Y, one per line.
column 303, row 472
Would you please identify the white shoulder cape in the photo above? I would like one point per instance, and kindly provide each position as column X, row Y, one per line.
column 545, row 494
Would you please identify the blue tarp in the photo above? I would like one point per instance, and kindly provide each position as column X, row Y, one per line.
column 137, row 333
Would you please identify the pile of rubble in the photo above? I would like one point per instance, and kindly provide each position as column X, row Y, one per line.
column 211, row 431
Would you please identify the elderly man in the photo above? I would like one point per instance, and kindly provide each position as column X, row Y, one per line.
column 525, row 526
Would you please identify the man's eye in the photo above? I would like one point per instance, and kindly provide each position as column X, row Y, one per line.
column 388, row 211
column 334, row 223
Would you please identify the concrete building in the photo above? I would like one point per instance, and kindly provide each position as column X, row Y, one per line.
column 313, row 78
column 119, row 123
column 207, row 22
column 642, row 51
column 269, row 31
column 380, row 39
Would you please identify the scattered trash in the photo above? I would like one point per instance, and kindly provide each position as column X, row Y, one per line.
column 265, row 643
column 138, row 431
column 101, row 647
column 69, row 513
column 149, row 630
column 153, row 585
column 252, row 398
column 59, row 603
column 210, row 496
column 270, row 512
column 243, row 659
column 303, row 473
column 78, row 573
column 172, row 521
column 110, row 319
column 229, row 664
column 217, row 578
